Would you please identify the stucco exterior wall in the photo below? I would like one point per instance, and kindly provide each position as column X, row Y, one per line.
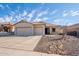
column 23, row 25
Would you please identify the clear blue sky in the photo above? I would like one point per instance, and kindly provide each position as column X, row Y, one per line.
column 55, row 13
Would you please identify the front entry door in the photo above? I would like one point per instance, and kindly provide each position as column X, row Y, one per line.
column 47, row 30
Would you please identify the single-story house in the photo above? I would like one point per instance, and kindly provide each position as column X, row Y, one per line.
column 36, row 28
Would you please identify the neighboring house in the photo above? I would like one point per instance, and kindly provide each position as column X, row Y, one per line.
column 73, row 30
column 6, row 27
column 36, row 28
column 1, row 29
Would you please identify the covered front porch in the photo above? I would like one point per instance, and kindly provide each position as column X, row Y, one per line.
column 50, row 30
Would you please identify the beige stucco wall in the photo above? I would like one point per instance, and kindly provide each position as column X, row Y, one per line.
column 57, row 30
column 38, row 25
column 23, row 25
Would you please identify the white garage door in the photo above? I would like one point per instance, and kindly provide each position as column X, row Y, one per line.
column 24, row 31
column 38, row 31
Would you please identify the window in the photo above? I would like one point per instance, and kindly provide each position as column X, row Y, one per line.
column 53, row 29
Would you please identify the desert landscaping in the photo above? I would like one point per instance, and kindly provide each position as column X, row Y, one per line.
column 55, row 44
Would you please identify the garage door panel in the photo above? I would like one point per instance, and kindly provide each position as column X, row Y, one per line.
column 38, row 31
column 24, row 31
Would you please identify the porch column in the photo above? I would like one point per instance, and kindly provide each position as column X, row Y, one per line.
column 50, row 30
column 32, row 30
column 44, row 30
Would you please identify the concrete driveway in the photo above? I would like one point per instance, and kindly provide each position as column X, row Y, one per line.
column 21, row 43
column 13, row 45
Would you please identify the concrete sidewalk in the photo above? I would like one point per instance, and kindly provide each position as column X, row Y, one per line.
column 16, row 52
